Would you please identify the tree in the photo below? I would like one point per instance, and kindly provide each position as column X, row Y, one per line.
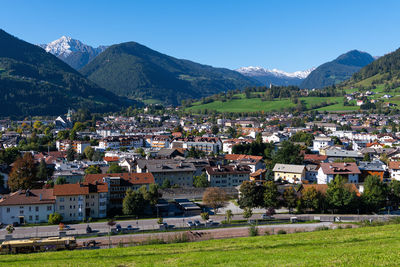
column 151, row 195
column 166, row 184
column 23, row 173
column 339, row 197
column 271, row 195
column 115, row 168
column 70, row 154
column 37, row 125
column 215, row 198
column 375, row 193
column 214, row 129
column 42, row 171
column 55, row 218
column 93, row 169
column 394, row 193
column 290, row 198
column 61, row 180
column 133, row 203
column 251, row 195
column 89, row 152
column 205, row 216
column 309, row 200
column 97, row 156
column 367, row 157
column 228, row 215
column 201, row 181
column 288, row 154
column 247, row 213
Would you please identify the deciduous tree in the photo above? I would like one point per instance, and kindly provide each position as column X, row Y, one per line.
column 23, row 173
column 215, row 198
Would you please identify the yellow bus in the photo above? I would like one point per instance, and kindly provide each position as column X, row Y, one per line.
column 37, row 245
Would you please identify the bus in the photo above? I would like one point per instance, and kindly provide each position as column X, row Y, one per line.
column 37, row 245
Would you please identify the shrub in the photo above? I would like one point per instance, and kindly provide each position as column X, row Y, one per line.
column 348, row 226
column 282, row 232
column 55, row 218
column 266, row 233
column 205, row 216
column 322, row 228
column 160, row 220
column 253, row 231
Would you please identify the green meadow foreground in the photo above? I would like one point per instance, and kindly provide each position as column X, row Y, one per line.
column 368, row 246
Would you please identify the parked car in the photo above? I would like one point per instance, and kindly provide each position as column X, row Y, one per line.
column 198, row 223
column 190, row 224
column 118, row 228
column 67, row 227
column 129, row 227
column 266, row 217
column 211, row 223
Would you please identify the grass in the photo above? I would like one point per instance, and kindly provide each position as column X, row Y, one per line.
column 366, row 246
column 255, row 104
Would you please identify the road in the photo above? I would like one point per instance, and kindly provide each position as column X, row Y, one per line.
column 151, row 224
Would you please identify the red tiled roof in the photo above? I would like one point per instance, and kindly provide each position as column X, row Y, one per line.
column 315, row 157
column 111, row 159
column 394, row 165
column 374, row 143
column 133, row 178
column 340, row 168
column 71, row 189
column 33, row 197
column 242, row 157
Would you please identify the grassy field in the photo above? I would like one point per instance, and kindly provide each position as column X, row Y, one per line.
column 255, row 104
column 369, row 246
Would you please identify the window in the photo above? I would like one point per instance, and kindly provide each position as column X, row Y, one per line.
column 61, row 199
column 61, row 207
column 30, row 218
column 37, row 217
column 92, row 196
column 8, row 210
column 30, row 208
column 70, row 199
column 87, row 196
column 36, row 208
column 21, row 207
column 21, row 212
column 48, row 207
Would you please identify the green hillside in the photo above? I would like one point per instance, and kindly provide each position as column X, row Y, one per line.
column 338, row 70
column 33, row 82
column 369, row 246
column 135, row 71
column 256, row 104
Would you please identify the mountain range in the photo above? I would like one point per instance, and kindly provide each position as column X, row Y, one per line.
column 73, row 52
column 33, row 82
column 274, row 76
column 338, row 70
column 135, row 71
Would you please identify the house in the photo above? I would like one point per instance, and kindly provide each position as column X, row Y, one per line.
column 360, row 102
column 335, row 153
column 27, row 206
column 119, row 183
column 227, row 175
column 394, row 170
column 206, row 144
column 321, row 141
column 128, row 164
column 314, row 158
column 328, row 171
column 254, row 162
column 311, row 172
column 77, row 202
column 176, row 172
column 290, row 173
column 375, row 167
column 258, row 176
column 77, row 146
column 268, row 137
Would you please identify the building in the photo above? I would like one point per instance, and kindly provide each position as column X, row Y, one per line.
column 290, row 173
column 394, row 170
column 119, row 183
column 311, row 172
column 376, row 167
column 328, row 171
column 206, row 144
column 254, row 162
column 77, row 202
column 77, row 146
column 27, row 206
column 321, row 141
column 175, row 171
column 227, row 176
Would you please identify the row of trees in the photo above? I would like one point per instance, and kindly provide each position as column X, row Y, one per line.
column 340, row 197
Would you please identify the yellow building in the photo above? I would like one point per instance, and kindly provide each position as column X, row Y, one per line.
column 290, row 173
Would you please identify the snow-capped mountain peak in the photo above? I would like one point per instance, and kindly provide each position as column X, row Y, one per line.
column 260, row 71
column 72, row 51
column 66, row 45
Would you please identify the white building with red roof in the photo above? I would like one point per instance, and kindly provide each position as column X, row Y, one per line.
column 328, row 171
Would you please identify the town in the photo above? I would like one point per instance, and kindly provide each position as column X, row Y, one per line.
column 161, row 163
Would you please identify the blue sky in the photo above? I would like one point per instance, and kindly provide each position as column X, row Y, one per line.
column 288, row 35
